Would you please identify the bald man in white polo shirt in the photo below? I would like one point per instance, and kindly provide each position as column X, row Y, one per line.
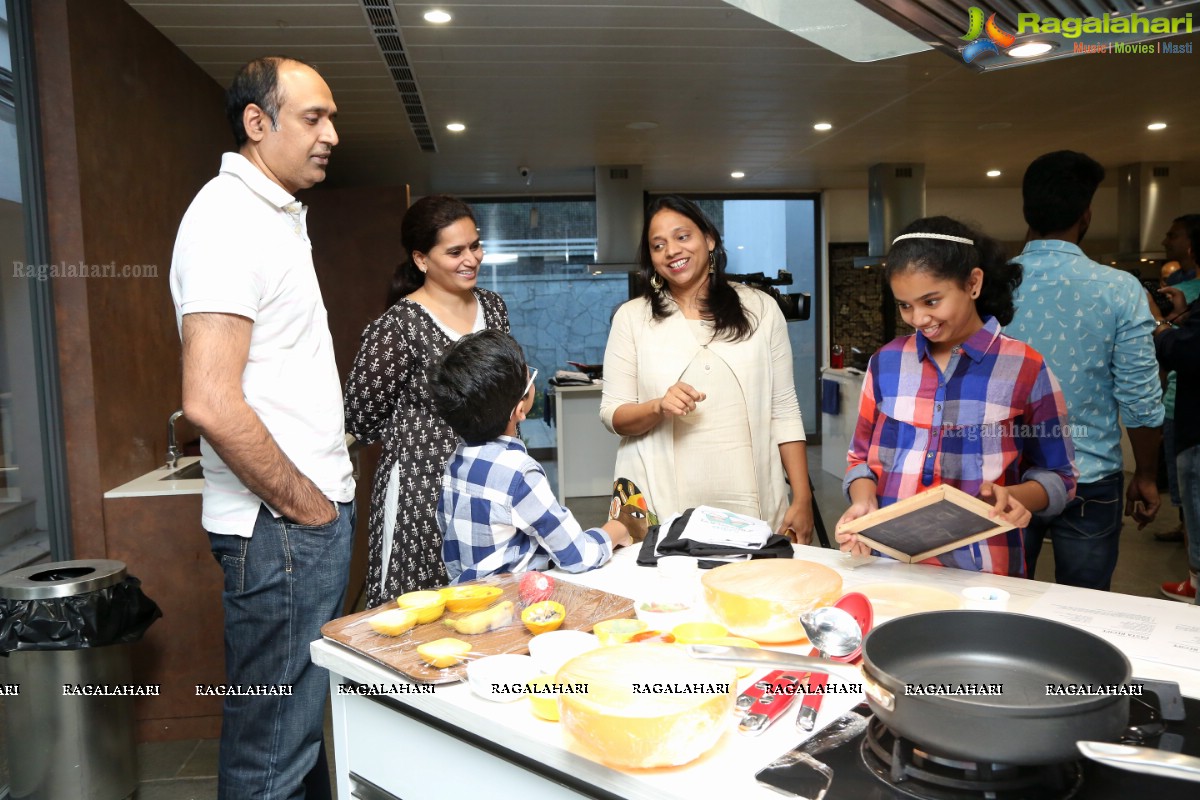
column 259, row 381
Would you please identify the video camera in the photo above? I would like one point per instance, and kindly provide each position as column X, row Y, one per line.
column 794, row 306
column 1165, row 307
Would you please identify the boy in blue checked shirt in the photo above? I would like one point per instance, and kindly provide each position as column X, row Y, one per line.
column 497, row 511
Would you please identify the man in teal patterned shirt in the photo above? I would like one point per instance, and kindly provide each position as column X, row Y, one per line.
column 1093, row 326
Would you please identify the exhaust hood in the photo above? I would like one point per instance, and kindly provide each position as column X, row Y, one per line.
column 1147, row 201
column 867, row 30
column 896, row 197
column 619, row 207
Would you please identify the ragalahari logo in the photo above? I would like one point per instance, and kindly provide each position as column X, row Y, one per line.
column 988, row 37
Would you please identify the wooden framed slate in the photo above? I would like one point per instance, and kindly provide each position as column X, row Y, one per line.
column 928, row 524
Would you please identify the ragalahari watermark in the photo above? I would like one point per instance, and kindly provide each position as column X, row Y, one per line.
column 76, row 269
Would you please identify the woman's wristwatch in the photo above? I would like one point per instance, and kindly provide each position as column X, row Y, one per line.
column 1162, row 325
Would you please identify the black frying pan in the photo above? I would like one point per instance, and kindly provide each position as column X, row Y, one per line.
column 1022, row 724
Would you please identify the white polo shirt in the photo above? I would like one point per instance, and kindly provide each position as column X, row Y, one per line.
column 243, row 248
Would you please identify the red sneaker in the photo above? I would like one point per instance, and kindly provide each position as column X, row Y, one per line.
column 1183, row 591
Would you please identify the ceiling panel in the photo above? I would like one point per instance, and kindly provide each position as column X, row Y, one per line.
column 553, row 86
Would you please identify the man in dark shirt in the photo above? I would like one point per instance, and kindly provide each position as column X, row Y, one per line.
column 1177, row 344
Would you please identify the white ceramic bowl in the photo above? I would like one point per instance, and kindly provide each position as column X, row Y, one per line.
column 664, row 611
column 501, row 678
column 551, row 650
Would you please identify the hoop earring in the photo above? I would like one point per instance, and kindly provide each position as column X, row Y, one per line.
column 712, row 262
column 656, row 282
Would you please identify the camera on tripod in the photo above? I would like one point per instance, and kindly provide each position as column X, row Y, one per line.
column 794, row 306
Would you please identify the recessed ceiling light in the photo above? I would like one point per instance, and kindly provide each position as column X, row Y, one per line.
column 993, row 173
column 1156, row 126
column 642, row 126
column 437, row 17
column 1030, row 49
column 457, row 127
column 737, row 174
column 823, row 126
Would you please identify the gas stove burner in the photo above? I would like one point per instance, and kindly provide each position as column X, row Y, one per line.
column 900, row 764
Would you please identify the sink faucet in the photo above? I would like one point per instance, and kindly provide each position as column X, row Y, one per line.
column 173, row 451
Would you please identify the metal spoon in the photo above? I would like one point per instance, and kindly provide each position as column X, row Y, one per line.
column 832, row 631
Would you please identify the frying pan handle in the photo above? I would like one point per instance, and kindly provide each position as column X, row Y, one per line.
column 878, row 693
column 752, row 655
column 1143, row 759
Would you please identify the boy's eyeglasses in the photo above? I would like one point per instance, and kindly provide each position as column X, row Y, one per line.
column 532, row 378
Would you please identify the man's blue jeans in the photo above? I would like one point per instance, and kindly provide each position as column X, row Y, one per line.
column 1187, row 467
column 281, row 586
column 1086, row 535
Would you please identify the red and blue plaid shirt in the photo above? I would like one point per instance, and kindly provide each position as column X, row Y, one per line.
column 997, row 414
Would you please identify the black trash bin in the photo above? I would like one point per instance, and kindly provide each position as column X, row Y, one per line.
column 65, row 628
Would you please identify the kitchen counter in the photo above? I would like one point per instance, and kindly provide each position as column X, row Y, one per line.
column 587, row 452
column 837, row 430
column 152, row 484
column 449, row 742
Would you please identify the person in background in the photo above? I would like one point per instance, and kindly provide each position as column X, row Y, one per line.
column 1177, row 351
column 957, row 402
column 497, row 511
column 260, row 382
column 1174, row 273
column 1092, row 324
column 434, row 302
column 698, row 373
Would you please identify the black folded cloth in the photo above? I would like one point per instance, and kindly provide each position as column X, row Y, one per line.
column 672, row 545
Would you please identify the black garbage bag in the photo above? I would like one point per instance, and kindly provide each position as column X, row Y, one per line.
column 113, row 615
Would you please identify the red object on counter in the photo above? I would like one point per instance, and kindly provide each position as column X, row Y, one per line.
column 857, row 605
column 835, row 357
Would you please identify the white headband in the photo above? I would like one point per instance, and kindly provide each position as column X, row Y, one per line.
column 945, row 236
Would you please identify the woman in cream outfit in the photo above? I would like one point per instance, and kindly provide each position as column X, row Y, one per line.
column 698, row 383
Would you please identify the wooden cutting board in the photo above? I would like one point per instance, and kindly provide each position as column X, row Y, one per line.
column 585, row 607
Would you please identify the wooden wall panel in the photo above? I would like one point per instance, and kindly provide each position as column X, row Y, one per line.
column 162, row 544
column 155, row 129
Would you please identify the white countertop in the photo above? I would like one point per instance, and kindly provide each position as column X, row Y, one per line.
column 729, row 768
column 152, row 484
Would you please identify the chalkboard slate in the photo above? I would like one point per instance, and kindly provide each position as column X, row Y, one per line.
column 933, row 522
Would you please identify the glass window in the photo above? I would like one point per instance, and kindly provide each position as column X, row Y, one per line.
column 25, row 516
column 539, row 258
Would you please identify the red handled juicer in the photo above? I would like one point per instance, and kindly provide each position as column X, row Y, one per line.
column 858, row 606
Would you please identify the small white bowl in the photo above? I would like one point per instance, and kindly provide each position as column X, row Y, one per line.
column 551, row 650
column 665, row 611
column 501, row 678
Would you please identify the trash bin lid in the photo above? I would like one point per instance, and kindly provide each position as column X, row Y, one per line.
column 61, row 579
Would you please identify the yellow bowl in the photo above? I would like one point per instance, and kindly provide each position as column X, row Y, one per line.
column 428, row 605
column 698, row 632
column 543, row 705
column 618, row 631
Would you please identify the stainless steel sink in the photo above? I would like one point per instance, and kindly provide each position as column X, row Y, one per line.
column 190, row 472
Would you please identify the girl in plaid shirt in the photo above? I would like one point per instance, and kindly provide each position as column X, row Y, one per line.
column 957, row 401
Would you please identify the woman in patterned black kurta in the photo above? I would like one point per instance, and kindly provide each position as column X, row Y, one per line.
column 434, row 300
